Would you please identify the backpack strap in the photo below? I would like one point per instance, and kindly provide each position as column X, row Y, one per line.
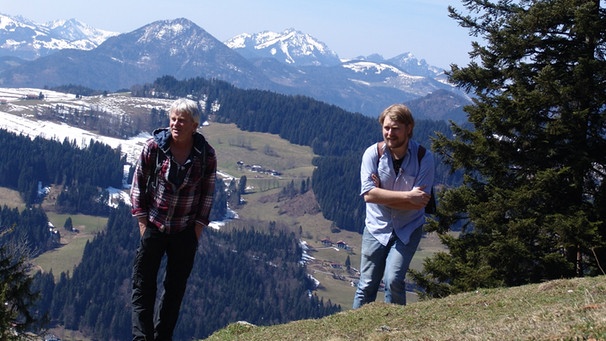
column 420, row 152
column 380, row 150
column 152, row 181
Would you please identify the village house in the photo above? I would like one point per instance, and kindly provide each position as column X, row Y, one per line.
column 326, row 242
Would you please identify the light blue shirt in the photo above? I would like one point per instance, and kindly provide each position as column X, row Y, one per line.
column 382, row 220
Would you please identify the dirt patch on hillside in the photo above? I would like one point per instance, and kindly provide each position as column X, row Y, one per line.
column 10, row 198
column 48, row 204
column 296, row 206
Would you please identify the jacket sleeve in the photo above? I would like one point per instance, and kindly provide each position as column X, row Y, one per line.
column 207, row 187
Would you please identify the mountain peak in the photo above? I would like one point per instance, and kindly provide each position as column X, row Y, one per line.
column 175, row 36
column 289, row 47
column 74, row 30
column 38, row 40
column 167, row 29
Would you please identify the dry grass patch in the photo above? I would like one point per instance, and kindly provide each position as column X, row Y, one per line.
column 11, row 198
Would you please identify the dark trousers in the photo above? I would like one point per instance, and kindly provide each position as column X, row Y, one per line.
column 180, row 250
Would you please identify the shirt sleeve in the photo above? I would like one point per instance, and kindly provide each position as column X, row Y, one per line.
column 426, row 172
column 370, row 160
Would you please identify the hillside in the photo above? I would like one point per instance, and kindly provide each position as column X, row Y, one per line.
column 558, row 310
column 263, row 202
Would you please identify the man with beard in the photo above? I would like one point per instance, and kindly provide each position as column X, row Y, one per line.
column 396, row 186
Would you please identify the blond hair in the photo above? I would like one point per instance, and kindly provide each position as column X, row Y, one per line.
column 398, row 113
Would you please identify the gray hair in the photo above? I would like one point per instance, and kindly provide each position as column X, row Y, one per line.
column 184, row 105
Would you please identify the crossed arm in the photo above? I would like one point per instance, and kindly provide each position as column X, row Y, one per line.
column 414, row 199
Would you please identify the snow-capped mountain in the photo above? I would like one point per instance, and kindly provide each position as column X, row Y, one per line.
column 363, row 84
column 291, row 47
column 290, row 62
column 384, row 73
column 25, row 39
column 167, row 47
column 408, row 63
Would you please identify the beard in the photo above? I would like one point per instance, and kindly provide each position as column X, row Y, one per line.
column 396, row 143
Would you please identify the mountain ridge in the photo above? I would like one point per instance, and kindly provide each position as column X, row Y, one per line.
column 25, row 39
column 184, row 50
column 290, row 47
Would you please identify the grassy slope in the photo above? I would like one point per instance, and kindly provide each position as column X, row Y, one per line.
column 295, row 163
column 558, row 310
column 66, row 257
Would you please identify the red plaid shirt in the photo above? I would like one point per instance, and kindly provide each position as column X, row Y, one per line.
column 173, row 208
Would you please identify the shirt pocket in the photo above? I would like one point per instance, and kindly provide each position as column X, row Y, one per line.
column 404, row 183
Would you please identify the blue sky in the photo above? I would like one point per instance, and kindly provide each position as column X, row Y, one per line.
column 349, row 27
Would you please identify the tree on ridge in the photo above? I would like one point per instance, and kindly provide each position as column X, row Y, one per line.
column 532, row 206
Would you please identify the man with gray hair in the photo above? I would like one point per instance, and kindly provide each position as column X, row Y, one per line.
column 171, row 195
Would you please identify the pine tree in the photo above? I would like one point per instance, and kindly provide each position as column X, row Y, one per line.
column 16, row 293
column 68, row 225
column 534, row 156
column 242, row 185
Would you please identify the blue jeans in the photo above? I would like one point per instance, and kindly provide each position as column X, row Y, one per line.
column 388, row 263
column 180, row 250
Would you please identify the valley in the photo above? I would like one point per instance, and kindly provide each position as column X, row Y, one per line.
column 329, row 247
column 263, row 204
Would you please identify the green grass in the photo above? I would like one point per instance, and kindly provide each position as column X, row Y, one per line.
column 66, row 257
column 557, row 310
column 270, row 151
column 87, row 224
